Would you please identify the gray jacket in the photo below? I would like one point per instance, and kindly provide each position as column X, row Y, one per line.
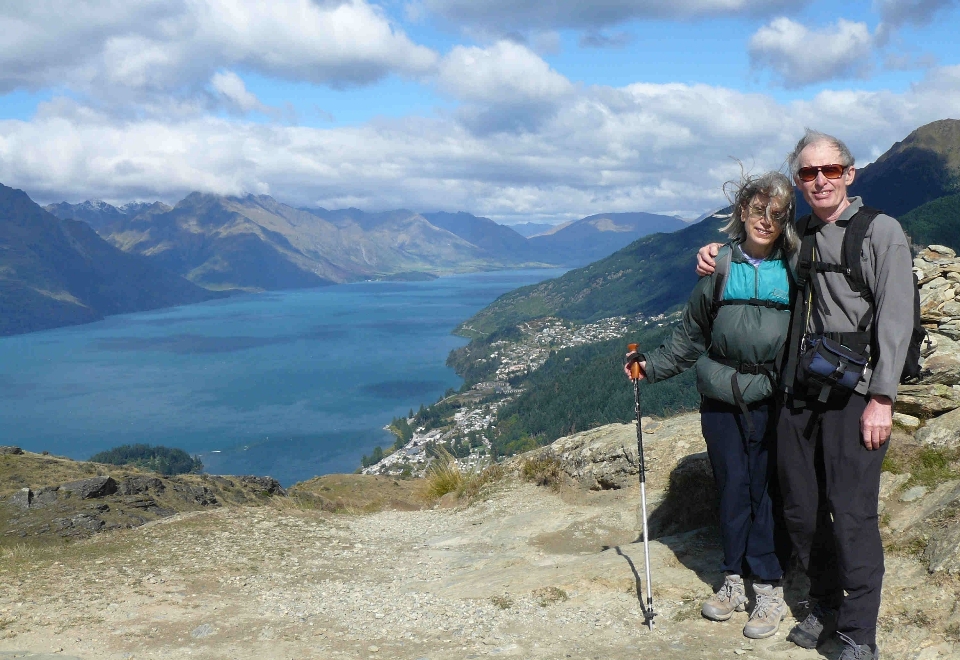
column 888, row 269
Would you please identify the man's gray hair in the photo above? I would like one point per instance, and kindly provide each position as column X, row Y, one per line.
column 811, row 136
column 773, row 185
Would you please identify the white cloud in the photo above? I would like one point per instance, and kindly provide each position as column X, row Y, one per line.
column 661, row 148
column 502, row 73
column 523, row 14
column 895, row 14
column 231, row 87
column 505, row 87
column 113, row 50
column 801, row 56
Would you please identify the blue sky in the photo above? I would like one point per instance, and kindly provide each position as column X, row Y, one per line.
column 514, row 109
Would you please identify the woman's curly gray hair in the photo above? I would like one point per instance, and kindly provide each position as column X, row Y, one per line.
column 773, row 185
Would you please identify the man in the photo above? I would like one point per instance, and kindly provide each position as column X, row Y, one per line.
column 830, row 451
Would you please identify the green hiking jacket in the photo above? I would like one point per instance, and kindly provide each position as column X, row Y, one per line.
column 748, row 334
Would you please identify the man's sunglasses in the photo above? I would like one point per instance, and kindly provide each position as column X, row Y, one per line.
column 829, row 171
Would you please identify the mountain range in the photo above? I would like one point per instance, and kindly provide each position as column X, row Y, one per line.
column 257, row 243
column 57, row 272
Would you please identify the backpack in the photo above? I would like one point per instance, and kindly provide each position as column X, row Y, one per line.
column 852, row 269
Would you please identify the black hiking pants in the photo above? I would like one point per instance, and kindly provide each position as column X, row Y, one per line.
column 744, row 468
column 830, row 484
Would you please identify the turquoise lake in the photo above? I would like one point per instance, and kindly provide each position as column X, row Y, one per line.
column 290, row 384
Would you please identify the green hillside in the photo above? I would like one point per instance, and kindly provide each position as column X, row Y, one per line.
column 936, row 222
column 584, row 387
column 651, row 276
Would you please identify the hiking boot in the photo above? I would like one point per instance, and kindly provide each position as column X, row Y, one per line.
column 854, row 651
column 817, row 628
column 729, row 599
column 767, row 613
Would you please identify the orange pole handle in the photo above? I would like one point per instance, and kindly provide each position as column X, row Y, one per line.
column 634, row 366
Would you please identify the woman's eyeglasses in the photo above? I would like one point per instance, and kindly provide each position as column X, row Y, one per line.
column 830, row 171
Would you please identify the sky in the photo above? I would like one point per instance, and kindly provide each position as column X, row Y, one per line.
column 517, row 110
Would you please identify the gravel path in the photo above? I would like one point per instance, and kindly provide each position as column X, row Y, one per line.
column 523, row 574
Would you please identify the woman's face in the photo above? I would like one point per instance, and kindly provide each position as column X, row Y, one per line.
column 763, row 219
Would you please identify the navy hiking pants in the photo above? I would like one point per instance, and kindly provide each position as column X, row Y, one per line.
column 831, row 484
column 743, row 467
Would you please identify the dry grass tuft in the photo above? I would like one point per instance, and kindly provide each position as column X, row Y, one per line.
column 442, row 477
column 445, row 476
column 549, row 595
column 544, row 469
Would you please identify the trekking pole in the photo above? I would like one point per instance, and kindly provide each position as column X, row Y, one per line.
column 648, row 612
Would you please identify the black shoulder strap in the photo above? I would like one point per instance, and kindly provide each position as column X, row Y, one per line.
column 853, row 237
column 721, row 273
column 808, row 237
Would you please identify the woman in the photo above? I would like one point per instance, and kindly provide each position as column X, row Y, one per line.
column 733, row 329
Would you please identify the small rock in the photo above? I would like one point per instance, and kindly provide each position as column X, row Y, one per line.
column 913, row 494
column 373, row 649
column 909, row 422
column 939, row 252
column 201, row 631
column 22, row 498
column 890, row 483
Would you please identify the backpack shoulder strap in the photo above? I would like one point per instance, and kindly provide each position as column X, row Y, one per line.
column 808, row 238
column 721, row 273
column 853, row 237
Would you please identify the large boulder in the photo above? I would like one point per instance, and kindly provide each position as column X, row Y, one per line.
column 926, row 401
column 943, row 366
column 139, row 484
column 7, row 449
column 943, row 431
column 91, row 488
column 266, row 485
column 690, row 501
column 606, row 457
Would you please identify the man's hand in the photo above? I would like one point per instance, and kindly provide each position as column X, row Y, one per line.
column 876, row 422
column 631, row 358
column 705, row 259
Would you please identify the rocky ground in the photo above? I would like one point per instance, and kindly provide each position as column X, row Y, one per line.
column 520, row 571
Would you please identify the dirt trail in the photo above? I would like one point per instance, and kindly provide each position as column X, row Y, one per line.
column 526, row 573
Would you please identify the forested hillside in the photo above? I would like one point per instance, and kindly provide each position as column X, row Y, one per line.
column 936, row 222
column 584, row 387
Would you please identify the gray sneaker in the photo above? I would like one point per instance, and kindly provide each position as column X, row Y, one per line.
column 767, row 613
column 729, row 599
column 854, row 651
column 817, row 628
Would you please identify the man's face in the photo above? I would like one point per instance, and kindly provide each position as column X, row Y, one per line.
column 827, row 197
